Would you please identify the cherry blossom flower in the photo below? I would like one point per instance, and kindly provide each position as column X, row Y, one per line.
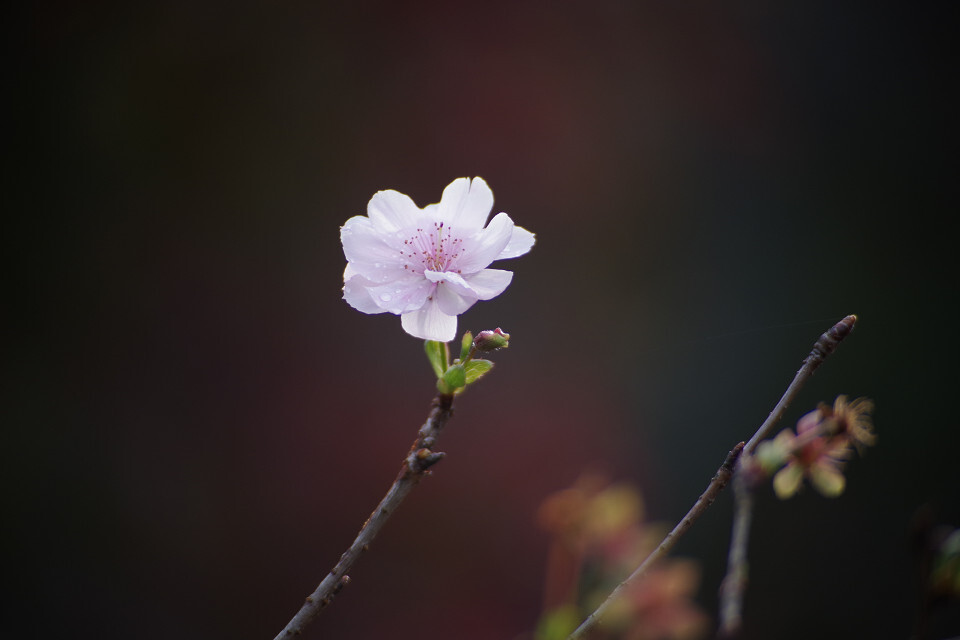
column 429, row 265
column 820, row 459
column 825, row 439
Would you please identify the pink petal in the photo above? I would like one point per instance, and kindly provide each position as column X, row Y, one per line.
column 357, row 295
column 402, row 296
column 454, row 294
column 465, row 205
column 486, row 246
column 451, row 301
column 429, row 323
column 448, row 276
column 369, row 253
column 489, row 283
column 520, row 243
column 391, row 211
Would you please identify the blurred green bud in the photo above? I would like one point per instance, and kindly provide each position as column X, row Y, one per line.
column 771, row 455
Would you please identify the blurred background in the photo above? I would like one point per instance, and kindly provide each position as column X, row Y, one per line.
column 195, row 424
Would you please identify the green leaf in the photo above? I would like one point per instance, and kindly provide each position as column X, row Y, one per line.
column 465, row 344
column 453, row 378
column 475, row 369
column 438, row 356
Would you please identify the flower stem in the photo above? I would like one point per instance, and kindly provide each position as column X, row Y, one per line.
column 824, row 346
column 415, row 466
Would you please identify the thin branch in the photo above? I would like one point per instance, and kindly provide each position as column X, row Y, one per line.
column 735, row 583
column 415, row 466
column 716, row 485
column 822, row 348
column 825, row 345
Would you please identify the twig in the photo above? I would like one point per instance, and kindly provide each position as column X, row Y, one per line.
column 824, row 346
column 716, row 485
column 415, row 466
column 735, row 583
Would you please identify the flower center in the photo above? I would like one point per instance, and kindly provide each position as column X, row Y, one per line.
column 432, row 249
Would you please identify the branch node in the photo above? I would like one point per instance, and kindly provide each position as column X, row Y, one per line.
column 731, row 468
column 424, row 459
column 732, row 457
column 419, row 459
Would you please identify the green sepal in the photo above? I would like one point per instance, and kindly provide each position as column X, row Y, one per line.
column 453, row 378
column 438, row 354
column 465, row 345
column 475, row 369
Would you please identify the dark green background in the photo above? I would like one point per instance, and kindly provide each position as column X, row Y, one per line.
column 195, row 424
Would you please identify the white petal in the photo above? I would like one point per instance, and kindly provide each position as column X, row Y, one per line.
column 430, row 323
column 489, row 283
column 357, row 295
column 520, row 243
column 465, row 205
column 391, row 211
column 368, row 251
column 487, row 245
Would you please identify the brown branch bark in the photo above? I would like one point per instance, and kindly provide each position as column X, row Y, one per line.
column 735, row 583
column 825, row 345
column 420, row 458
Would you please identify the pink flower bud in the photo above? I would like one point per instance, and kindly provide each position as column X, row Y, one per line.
column 492, row 340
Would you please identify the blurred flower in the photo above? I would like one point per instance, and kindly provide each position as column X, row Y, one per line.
column 599, row 539
column 820, row 459
column 660, row 605
column 429, row 265
column 853, row 420
column 595, row 519
column 820, row 447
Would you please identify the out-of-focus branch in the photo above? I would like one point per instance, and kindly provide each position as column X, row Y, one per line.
column 824, row 346
column 415, row 466
column 716, row 485
column 735, row 583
